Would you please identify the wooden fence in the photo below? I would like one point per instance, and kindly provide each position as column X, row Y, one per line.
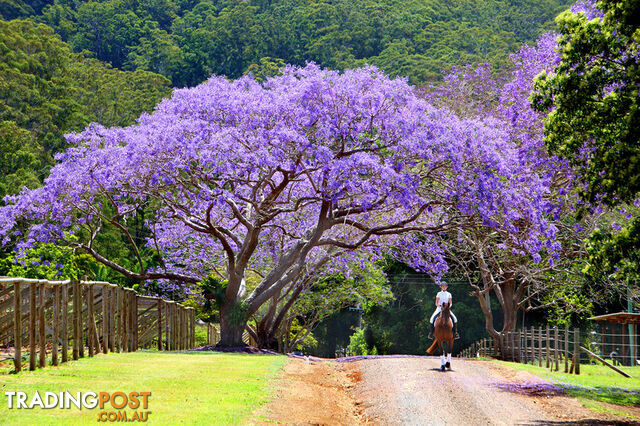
column 549, row 347
column 71, row 318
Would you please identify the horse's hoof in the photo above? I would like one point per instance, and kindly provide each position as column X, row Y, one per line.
column 448, row 365
column 442, row 368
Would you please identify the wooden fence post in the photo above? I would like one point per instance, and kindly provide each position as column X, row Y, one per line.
column 548, row 336
column 540, row 339
column 190, row 344
column 159, row 324
column 182, row 328
column 193, row 328
column 32, row 326
column 42, row 339
column 65, row 322
column 531, row 345
column 17, row 326
column 76, row 332
column 55, row 325
column 90, row 319
column 555, row 347
column 185, row 316
column 576, row 350
column 175, row 335
column 566, row 348
column 121, row 320
column 132, row 320
column 507, row 346
column 105, row 319
column 77, row 299
column 112, row 317
column 167, row 323
column 134, row 295
column 125, row 320
column 175, row 318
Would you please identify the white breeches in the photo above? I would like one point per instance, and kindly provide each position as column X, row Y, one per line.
column 437, row 311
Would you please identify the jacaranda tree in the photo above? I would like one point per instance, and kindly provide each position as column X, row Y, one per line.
column 260, row 176
column 499, row 262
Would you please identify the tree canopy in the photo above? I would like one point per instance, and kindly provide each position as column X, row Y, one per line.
column 593, row 121
column 314, row 159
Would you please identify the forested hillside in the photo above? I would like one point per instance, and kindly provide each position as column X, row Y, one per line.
column 188, row 40
column 47, row 90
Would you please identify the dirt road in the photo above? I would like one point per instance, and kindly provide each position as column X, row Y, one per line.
column 412, row 391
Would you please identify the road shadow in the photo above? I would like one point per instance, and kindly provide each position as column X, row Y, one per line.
column 445, row 371
column 585, row 422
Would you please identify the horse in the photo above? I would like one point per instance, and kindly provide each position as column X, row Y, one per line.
column 443, row 336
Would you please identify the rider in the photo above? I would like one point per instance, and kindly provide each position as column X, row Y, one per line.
column 443, row 297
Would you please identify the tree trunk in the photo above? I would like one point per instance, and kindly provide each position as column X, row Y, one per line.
column 266, row 329
column 507, row 297
column 509, row 305
column 230, row 331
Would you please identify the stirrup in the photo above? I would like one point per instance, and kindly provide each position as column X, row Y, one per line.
column 456, row 336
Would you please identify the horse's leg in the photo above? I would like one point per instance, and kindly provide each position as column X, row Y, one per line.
column 443, row 351
column 448, row 363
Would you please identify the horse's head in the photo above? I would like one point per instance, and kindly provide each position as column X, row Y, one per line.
column 445, row 308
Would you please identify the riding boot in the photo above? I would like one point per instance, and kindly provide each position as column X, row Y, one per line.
column 432, row 329
column 455, row 331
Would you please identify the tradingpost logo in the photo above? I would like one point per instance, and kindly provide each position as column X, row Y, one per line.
column 112, row 405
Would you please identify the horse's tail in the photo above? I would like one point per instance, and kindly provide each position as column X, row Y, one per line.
column 433, row 346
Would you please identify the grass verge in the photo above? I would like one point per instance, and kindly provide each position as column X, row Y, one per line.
column 595, row 382
column 186, row 388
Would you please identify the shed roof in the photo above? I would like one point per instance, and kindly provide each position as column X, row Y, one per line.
column 619, row 318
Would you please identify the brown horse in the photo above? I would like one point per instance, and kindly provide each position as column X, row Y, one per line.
column 443, row 336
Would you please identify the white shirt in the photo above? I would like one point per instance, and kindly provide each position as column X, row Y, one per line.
column 443, row 297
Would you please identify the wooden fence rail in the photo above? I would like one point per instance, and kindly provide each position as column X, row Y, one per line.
column 47, row 317
column 540, row 346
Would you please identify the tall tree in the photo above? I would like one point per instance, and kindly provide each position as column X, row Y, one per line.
column 313, row 158
column 502, row 263
column 594, row 121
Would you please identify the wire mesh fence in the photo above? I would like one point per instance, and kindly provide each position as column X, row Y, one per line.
column 563, row 349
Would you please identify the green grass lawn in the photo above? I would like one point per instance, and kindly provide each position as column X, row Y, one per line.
column 186, row 388
column 595, row 382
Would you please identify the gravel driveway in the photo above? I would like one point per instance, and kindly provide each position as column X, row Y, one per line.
column 412, row 391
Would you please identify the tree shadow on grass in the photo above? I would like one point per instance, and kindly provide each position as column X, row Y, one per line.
column 617, row 396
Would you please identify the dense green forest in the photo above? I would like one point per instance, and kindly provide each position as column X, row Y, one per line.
column 187, row 40
column 47, row 90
